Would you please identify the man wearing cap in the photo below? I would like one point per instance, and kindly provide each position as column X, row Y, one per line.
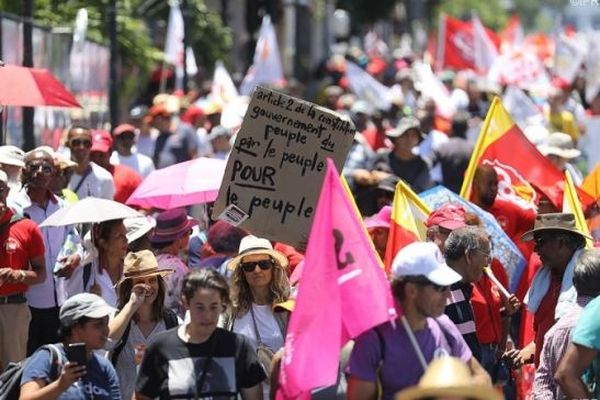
column 22, row 264
column 401, row 160
column 37, row 201
column 558, row 244
column 146, row 134
column 220, row 142
column 171, row 147
column 12, row 161
column 170, row 238
column 442, row 221
column 126, row 154
column 89, row 178
column 126, row 179
column 421, row 285
column 83, row 319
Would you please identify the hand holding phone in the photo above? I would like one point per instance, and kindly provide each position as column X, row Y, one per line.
column 76, row 353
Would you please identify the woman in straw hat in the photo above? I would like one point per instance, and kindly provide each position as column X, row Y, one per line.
column 448, row 378
column 259, row 282
column 142, row 315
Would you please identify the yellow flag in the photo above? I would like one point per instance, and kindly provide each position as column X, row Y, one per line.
column 571, row 204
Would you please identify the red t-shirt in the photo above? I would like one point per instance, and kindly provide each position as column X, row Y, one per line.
column 126, row 181
column 21, row 242
column 375, row 138
column 544, row 317
column 486, row 302
column 513, row 219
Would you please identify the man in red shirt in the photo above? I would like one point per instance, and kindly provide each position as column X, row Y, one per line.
column 126, row 179
column 558, row 244
column 22, row 264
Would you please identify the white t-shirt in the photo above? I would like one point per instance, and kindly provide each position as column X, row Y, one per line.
column 98, row 183
column 140, row 163
column 74, row 285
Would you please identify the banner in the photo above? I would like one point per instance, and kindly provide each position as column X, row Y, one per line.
column 271, row 184
column 366, row 87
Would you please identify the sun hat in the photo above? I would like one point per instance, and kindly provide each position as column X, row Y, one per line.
column 12, row 155
column 101, row 141
column 171, row 225
column 405, row 124
column 141, row 264
column 63, row 162
column 449, row 216
column 448, row 377
column 380, row 220
column 420, row 258
column 254, row 245
column 561, row 145
column 119, row 130
column 137, row 227
column 553, row 222
column 83, row 305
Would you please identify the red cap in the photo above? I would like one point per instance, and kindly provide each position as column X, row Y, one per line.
column 192, row 114
column 449, row 216
column 155, row 111
column 123, row 128
column 101, row 141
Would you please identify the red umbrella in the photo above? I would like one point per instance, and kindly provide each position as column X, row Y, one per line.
column 30, row 87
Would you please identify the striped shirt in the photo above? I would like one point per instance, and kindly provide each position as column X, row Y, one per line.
column 556, row 341
column 459, row 310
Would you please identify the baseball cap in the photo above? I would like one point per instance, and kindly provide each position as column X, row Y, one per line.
column 123, row 128
column 83, row 305
column 405, row 124
column 424, row 259
column 101, row 141
column 137, row 227
column 12, row 155
column 449, row 216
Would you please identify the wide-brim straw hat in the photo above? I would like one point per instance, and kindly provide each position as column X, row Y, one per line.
column 250, row 245
column 141, row 264
column 554, row 222
column 448, row 377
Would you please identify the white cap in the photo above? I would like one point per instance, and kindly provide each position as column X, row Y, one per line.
column 424, row 259
column 12, row 155
column 137, row 227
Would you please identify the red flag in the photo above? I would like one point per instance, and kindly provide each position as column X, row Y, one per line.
column 512, row 35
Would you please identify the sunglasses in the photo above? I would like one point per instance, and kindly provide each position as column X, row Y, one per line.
column 80, row 142
column 45, row 168
column 262, row 264
column 426, row 282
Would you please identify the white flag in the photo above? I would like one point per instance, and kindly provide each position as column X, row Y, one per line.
column 521, row 108
column 367, row 88
column 222, row 90
column 174, row 45
column 433, row 88
column 485, row 50
column 266, row 67
column 568, row 57
column 592, row 74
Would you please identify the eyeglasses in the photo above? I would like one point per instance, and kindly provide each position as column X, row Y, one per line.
column 81, row 142
column 249, row 266
column 45, row 168
column 427, row 282
column 488, row 256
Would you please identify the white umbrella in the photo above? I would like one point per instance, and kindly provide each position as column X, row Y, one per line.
column 90, row 210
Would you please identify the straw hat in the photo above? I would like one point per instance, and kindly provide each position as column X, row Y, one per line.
column 448, row 377
column 141, row 264
column 554, row 222
column 255, row 245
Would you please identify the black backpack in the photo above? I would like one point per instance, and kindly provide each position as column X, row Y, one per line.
column 10, row 380
column 170, row 319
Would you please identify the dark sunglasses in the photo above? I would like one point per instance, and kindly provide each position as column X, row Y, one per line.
column 426, row 282
column 80, row 142
column 33, row 168
column 541, row 240
column 262, row 264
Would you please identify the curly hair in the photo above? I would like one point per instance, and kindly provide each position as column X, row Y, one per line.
column 241, row 295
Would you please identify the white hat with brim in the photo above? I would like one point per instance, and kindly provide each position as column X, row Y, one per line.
column 12, row 155
column 424, row 259
column 137, row 227
column 561, row 145
column 251, row 245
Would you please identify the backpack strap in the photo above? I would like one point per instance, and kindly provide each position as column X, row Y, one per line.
column 87, row 171
column 170, row 318
column 87, row 273
column 282, row 317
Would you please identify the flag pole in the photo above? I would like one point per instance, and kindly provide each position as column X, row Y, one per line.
column 413, row 342
column 465, row 190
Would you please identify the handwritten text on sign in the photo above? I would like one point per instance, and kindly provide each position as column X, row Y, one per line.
column 276, row 168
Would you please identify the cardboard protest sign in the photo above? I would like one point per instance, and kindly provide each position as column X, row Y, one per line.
column 277, row 164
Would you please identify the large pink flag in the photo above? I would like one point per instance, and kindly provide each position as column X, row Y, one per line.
column 343, row 292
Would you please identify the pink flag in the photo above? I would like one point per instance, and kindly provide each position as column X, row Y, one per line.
column 343, row 292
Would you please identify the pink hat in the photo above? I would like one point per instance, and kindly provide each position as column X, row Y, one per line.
column 101, row 141
column 449, row 216
column 380, row 220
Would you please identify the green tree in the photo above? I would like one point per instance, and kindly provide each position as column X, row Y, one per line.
column 491, row 12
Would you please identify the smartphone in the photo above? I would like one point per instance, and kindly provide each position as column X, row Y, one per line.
column 76, row 353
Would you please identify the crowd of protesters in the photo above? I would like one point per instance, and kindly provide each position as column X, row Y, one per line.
column 172, row 306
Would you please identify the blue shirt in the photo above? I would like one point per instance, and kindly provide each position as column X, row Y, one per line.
column 587, row 334
column 99, row 383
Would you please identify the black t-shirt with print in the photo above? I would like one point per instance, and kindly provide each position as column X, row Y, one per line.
column 172, row 368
